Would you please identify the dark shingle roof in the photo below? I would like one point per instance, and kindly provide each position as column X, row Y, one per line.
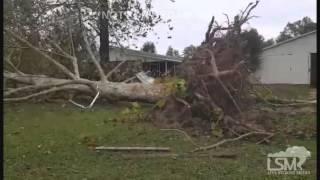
column 149, row 56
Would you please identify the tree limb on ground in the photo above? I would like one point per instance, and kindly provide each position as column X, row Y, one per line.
column 184, row 133
column 205, row 148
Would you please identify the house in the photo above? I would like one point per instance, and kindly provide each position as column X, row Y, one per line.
column 290, row 62
column 157, row 65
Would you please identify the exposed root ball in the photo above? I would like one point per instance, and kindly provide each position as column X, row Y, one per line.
column 217, row 86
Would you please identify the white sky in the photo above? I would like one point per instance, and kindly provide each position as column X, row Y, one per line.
column 190, row 18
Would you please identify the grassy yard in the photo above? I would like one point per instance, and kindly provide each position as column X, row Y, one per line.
column 48, row 141
column 288, row 91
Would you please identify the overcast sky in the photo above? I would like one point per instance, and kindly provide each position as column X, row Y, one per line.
column 190, row 18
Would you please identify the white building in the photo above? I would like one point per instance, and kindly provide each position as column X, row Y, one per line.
column 290, row 62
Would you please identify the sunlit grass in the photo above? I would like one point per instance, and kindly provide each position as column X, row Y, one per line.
column 48, row 141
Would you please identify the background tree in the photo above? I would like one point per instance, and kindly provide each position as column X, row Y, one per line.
column 253, row 47
column 268, row 42
column 176, row 53
column 188, row 51
column 169, row 51
column 25, row 18
column 113, row 22
column 149, row 47
column 172, row 52
column 123, row 20
column 297, row 28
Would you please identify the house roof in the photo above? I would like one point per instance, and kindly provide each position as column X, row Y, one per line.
column 149, row 56
column 289, row 40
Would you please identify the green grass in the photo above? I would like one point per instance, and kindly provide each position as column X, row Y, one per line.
column 288, row 91
column 47, row 141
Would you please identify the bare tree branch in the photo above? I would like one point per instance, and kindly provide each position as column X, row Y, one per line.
column 233, row 70
column 129, row 79
column 266, row 139
column 42, row 86
column 229, row 94
column 94, row 60
column 68, row 56
column 209, row 29
column 54, row 89
column 114, row 69
column 12, row 65
column 216, row 74
column 242, row 12
column 228, row 20
column 44, row 50
column 53, row 61
column 90, row 105
column 88, row 48
column 205, row 148
column 244, row 16
column 73, row 54
column 184, row 133
column 215, row 70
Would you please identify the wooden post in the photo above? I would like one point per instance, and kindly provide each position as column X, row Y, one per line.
column 159, row 69
column 166, row 68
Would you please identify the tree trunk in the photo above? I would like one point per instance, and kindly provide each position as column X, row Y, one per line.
column 104, row 33
column 114, row 90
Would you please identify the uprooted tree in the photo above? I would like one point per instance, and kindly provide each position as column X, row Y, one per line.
column 215, row 80
column 217, row 92
column 211, row 93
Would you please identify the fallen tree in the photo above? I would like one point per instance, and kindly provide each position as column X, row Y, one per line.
column 42, row 85
column 212, row 94
column 39, row 85
column 217, row 93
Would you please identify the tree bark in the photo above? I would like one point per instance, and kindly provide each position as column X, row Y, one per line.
column 114, row 90
column 104, row 33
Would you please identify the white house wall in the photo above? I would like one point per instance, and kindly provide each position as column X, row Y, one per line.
column 288, row 63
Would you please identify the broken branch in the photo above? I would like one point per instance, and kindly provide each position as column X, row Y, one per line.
column 205, row 148
column 88, row 48
column 114, row 69
column 184, row 133
column 54, row 89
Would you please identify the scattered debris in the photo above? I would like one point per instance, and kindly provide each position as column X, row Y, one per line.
column 144, row 78
column 92, row 102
